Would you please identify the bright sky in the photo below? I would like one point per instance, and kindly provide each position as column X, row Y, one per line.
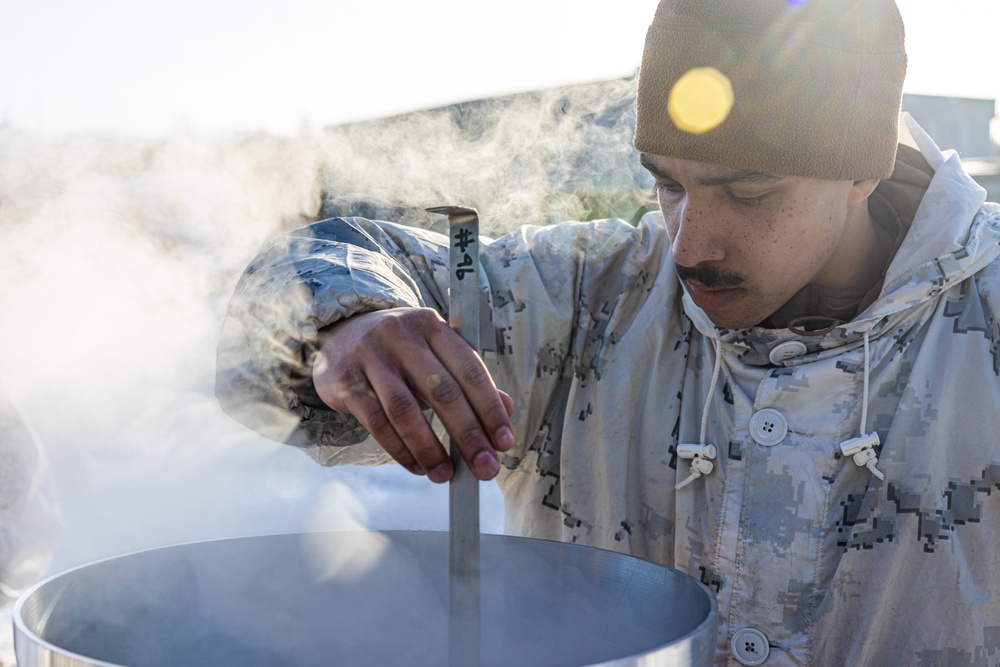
column 131, row 67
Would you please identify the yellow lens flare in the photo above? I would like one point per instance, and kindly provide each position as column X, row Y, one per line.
column 700, row 100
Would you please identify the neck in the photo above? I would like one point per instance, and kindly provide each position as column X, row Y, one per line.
column 837, row 291
column 860, row 257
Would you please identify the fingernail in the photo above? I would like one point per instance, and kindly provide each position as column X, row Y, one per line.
column 486, row 465
column 440, row 474
column 504, row 438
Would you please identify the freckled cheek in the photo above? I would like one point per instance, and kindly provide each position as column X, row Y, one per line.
column 773, row 243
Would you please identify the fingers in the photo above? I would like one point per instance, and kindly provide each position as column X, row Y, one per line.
column 356, row 375
column 383, row 370
column 469, row 404
column 508, row 402
column 398, row 423
column 346, row 388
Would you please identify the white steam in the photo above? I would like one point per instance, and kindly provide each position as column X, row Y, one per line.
column 116, row 264
column 527, row 159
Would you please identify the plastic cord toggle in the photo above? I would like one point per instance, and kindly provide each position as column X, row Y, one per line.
column 701, row 461
column 863, row 450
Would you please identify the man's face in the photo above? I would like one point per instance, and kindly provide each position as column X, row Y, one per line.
column 745, row 242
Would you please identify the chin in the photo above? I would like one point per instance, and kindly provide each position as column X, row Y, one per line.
column 729, row 321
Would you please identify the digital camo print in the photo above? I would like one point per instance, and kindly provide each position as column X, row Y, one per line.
column 610, row 365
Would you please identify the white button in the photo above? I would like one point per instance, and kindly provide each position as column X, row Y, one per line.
column 768, row 427
column 749, row 646
column 787, row 350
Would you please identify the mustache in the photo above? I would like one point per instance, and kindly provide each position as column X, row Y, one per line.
column 709, row 276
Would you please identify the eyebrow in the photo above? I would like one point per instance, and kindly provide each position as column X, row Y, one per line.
column 727, row 178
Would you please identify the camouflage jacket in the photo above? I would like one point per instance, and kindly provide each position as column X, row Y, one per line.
column 610, row 366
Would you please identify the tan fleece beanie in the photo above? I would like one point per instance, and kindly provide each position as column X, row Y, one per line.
column 793, row 87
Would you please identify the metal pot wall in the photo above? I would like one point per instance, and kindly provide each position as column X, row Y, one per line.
column 362, row 598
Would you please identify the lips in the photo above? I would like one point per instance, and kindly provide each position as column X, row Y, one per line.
column 711, row 299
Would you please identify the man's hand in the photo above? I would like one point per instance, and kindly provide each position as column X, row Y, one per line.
column 384, row 367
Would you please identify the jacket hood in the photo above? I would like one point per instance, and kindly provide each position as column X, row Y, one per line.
column 952, row 236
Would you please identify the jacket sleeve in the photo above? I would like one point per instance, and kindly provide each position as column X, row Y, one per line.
column 532, row 281
column 300, row 283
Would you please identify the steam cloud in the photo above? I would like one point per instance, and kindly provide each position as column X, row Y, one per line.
column 117, row 261
column 536, row 158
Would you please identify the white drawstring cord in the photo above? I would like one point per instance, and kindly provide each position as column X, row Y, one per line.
column 864, row 395
column 716, row 371
column 862, row 448
column 701, row 455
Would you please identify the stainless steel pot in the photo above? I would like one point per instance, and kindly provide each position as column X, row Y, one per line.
column 362, row 598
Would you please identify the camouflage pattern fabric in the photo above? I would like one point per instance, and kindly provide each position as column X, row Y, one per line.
column 610, row 366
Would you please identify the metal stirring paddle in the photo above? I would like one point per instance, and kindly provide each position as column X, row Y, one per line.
column 463, row 505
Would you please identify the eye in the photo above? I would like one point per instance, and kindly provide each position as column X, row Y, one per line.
column 746, row 201
column 663, row 187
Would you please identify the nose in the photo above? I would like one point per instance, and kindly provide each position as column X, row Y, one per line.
column 694, row 235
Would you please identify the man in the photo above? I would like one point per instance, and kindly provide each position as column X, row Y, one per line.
column 785, row 383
